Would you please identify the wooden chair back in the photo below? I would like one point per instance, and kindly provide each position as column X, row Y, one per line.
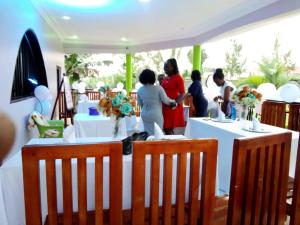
column 294, row 116
column 259, row 179
column 32, row 155
column 112, row 94
column 133, row 94
column 188, row 101
column 295, row 209
column 273, row 113
column 93, row 95
column 137, row 108
column 63, row 112
column 203, row 156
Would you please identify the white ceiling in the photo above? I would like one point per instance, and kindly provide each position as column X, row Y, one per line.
column 143, row 24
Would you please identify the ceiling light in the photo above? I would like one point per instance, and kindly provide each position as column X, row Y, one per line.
column 145, row 1
column 83, row 3
column 66, row 17
column 74, row 37
column 123, row 39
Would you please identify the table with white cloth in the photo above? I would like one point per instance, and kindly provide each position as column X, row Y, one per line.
column 83, row 106
column 102, row 126
column 226, row 133
column 12, row 209
column 186, row 112
column 93, row 126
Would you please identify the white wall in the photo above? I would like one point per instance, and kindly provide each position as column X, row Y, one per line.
column 16, row 16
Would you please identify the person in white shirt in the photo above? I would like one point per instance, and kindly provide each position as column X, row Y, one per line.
column 226, row 91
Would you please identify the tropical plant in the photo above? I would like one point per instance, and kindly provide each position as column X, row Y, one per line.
column 235, row 64
column 277, row 67
column 252, row 81
column 73, row 67
column 186, row 75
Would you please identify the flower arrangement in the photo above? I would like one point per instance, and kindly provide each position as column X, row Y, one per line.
column 120, row 105
column 247, row 97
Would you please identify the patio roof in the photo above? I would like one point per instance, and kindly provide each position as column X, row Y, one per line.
column 134, row 26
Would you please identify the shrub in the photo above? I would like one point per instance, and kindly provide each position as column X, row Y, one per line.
column 252, row 81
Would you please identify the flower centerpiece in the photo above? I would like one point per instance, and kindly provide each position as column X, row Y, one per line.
column 247, row 99
column 118, row 106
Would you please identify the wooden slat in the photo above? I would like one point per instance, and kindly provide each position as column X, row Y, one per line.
column 99, row 191
column 237, row 178
column 194, row 188
column 167, row 190
column 138, row 188
column 257, row 192
column 295, row 212
column 67, row 191
column 154, row 196
column 51, row 191
column 266, row 188
column 283, row 183
column 249, row 187
column 82, row 191
column 208, row 183
column 115, row 184
column 274, row 187
column 180, row 187
column 32, row 195
column 294, row 117
column 70, row 151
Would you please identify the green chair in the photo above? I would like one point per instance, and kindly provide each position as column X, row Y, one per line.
column 48, row 128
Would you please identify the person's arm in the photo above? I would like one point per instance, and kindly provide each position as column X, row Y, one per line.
column 139, row 100
column 164, row 98
column 180, row 86
column 227, row 93
column 226, row 98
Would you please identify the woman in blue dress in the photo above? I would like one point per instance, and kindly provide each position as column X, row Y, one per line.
column 196, row 91
column 150, row 98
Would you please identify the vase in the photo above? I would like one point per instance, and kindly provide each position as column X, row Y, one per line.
column 116, row 127
column 246, row 112
column 243, row 112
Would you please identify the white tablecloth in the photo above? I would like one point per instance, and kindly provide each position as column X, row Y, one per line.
column 226, row 133
column 186, row 111
column 83, row 106
column 102, row 126
column 93, row 126
column 12, row 211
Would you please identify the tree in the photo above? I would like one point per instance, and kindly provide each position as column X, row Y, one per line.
column 235, row 64
column 277, row 67
column 73, row 67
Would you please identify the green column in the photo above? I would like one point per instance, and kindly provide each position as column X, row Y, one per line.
column 128, row 72
column 197, row 57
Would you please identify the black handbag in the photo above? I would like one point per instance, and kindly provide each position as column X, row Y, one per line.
column 127, row 142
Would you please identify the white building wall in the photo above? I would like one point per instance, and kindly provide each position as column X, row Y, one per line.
column 16, row 16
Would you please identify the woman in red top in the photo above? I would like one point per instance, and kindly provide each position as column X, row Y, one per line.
column 174, row 88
